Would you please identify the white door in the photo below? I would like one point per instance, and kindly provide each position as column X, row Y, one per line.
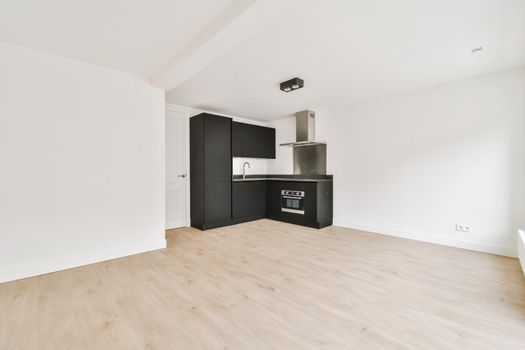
column 176, row 167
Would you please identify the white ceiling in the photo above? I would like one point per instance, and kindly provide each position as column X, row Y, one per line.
column 349, row 51
column 230, row 55
column 136, row 36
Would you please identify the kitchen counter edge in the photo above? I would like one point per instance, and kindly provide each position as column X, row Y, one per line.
column 315, row 178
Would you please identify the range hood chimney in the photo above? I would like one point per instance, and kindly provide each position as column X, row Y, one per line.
column 304, row 130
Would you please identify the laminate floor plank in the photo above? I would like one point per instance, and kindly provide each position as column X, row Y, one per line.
column 271, row 285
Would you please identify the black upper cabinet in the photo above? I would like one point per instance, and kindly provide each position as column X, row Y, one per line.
column 252, row 141
column 210, row 170
column 266, row 140
column 238, row 131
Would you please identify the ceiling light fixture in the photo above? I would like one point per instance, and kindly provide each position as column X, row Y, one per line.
column 292, row 84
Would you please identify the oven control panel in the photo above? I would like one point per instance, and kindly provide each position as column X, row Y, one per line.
column 292, row 193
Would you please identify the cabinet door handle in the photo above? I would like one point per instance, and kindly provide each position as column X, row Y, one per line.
column 183, row 175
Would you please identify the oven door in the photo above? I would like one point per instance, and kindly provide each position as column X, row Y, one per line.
column 292, row 202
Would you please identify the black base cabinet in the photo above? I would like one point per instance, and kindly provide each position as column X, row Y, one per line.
column 248, row 201
column 252, row 200
column 318, row 207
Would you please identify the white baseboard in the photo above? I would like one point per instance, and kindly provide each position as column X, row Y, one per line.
column 40, row 268
column 171, row 224
column 470, row 245
column 521, row 249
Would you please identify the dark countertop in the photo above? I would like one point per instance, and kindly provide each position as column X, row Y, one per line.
column 280, row 177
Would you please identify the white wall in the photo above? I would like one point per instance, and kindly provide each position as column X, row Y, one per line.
column 417, row 164
column 258, row 166
column 82, row 163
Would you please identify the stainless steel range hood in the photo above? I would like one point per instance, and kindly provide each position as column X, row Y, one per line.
column 305, row 130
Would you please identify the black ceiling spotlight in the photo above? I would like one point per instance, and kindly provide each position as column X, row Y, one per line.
column 292, row 84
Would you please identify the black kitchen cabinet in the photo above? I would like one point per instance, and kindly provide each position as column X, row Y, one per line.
column 252, row 141
column 217, row 200
column 238, row 130
column 258, row 203
column 317, row 203
column 210, row 171
column 240, row 201
column 267, row 141
column 273, row 199
column 248, row 200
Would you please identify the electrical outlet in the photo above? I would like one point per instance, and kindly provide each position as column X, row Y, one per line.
column 462, row 228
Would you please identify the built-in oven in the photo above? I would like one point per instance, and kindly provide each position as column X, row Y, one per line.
column 292, row 201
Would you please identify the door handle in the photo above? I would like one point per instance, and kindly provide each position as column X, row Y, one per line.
column 183, row 175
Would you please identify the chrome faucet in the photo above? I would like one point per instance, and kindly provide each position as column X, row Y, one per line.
column 244, row 169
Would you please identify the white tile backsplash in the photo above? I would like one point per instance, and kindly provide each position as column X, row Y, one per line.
column 257, row 166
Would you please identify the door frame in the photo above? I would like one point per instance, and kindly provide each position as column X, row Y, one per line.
column 186, row 111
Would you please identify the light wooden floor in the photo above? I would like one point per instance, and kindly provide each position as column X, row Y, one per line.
column 270, row 285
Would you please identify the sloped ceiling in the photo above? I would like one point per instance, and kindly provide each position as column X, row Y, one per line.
column 135, row 36
column 350, row 51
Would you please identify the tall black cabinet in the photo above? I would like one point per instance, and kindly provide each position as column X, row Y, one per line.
column 210, row 171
